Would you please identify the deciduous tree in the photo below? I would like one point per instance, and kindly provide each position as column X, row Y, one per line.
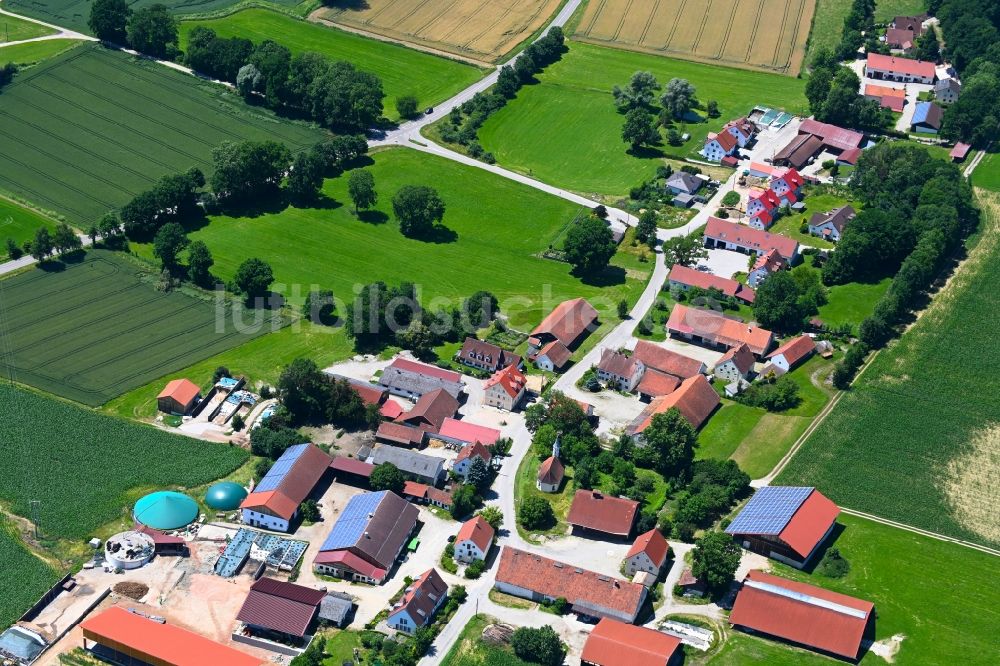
column 361, row 189
column 168, row 243
column 253, row 279
column 418, row 208
column 589, row 245
column 108, row 19
column 153, row 31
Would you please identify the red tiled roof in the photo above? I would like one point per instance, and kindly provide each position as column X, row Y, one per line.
column 725, row 139
column 586, row 590
column 899, row 37
column 810, row 523
column 473, row 450
column 959, row 151
column 802, row 613
column 656, row 383
column 478, row 531
column 432, row 408
column 851, row 156
column 833, row 136
column 568, row 320
column 770, row 260
column 695, row 400
column 469, row 432
column 795, row 350
column 391, row 409
column 440, row 496
column 422, row 597
column 294, row 487
column 274, row 501
column 596, row 511
column 414, row 489
column 888, row 63
column 352, row 466
column 400, row 433
column 618, row 364
column 557, row 352
column 792, row 177
column 653, row 544
column 157, row 643
column 424, row 369
column 487, row 353
column 730, row 161
column 666, row 361
column 280, row 606
column 348, row 559
column 551, row 471
column 510, row 379
column 703, row 280
column 744, row 236
column 614, row 643
column 714, row 327
column 181, row 390
column 369, row 393
column 767, row 198
column 741, row 356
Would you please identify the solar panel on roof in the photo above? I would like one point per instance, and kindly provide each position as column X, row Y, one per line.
column 352, row 521
column 769, row 510
column 281, row 468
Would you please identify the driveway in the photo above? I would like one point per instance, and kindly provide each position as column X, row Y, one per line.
column 725, row 263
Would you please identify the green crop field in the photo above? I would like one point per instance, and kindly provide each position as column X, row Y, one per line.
column 915, row 440
column 73, row 14
column 16, row 29
column 86, row 131
column 498, row 227
column 403, row 71
column 566, row 131
column 827, row 25
column 23, row 577
column 87, row 468
column 33, row 52
column 18, row 223
column 99, row 327
column 987, row 174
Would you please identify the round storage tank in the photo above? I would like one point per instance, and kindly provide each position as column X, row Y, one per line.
column 225, row 496
column 165, row 510
column 129, row 550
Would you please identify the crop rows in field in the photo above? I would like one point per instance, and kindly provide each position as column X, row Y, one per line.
column 484, row 30
column 768, row 35
column 87, row 469
column 916, row 438
column 23, row 577
column 96, row 329
column 85, row 132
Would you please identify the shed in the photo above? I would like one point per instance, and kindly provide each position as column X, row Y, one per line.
column 179, row 396
column 335, row 608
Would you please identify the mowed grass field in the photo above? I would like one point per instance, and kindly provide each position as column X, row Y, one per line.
column 23, row 577
column 86, row 131
column 74, row 13
column 97, row 328
column 19, row 224
column 403, row 71
column 483, row 30
column 15, row 29
column 987, row 174
column 32, row 52
column 566, row 131
column 916, row 438
column 768, row 35
column 496, row 227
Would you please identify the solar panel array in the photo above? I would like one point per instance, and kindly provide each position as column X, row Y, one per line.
column 352, row 521
column 769, row 510
column 280, row 469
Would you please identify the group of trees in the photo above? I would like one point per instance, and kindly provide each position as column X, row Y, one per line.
column 636, row 99
column 172, row 199
column 419, row 209
column 858, row 31
column 273, row 437
column 714, row 561
column 589, row 245
column 150, row 30
column 465, row 121
column 61, row 241
column 538, row 646
column 312, row 396
column 772, row 394
column 787, row 299
column 833, row 94
column 715, row 485
column 333, row 93
column 972, row 33
column 7, row 72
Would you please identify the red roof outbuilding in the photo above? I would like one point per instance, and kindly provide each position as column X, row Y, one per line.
column 653, row 544
column 614, row 643
column 478, row 531
column 599, row 512
column 279, row 606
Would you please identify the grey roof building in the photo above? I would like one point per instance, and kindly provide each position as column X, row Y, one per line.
column 410, row 384
column 683, row 182
column 335, row 608
column 429, row 469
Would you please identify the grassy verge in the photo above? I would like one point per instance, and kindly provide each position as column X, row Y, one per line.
column 470, row 650
column 19, row 224
column 17, row 29
column 34, row 52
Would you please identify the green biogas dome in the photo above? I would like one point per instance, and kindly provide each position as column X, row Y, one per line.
column 225, row 495
column 165, row 510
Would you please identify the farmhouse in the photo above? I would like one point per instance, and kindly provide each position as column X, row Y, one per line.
column 830, row 225
column 567, row 324
column 725, row 235
column 742, row 129
column 785, row 523
column 400, row 434
column 485, row 356
column 803, row 614
column 681, row 182
column 947, row 90
column 420, row 602
column 368, row 537
column 469, row 453
column 424, row 468
column 712, row 329
column 648, row 553
column 553, row 356
column 813, row 137
column 280, row 611
column 592, row 511
column 887, row 96
column 410, row 379
column 505, row 389
column 770, row 262
column 761, row 208
column 460, row 433
column 550, row 475
column 790, row 354
column 667, row 361
column 474, row 540
column 735, row 364
column 682, row 277
column 927, row 118
column 370, row 394
column 914, row 24
column 124, row 637
column 719, row 145
column 901, row 70
column 178, row 397
column 590, row 594
column 695, row 400
column 430, row 411
column 619, row 371
column 274, row 502
column 613, row 643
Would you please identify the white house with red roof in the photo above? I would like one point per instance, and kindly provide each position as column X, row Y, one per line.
column 762, row 206
column 719, row 145
column 682, row 277
column 785, row 523
column 735, row 364
column 505, row 389
column 770, row 262
column 788, row 185
column 619, row 370
column 550, row 475
column 743, row 130
column 726, row 235
column 648, row 553
column 790, row 354
column 474, row 540
column 468, row 454
column 901, row 70
column 420, row 602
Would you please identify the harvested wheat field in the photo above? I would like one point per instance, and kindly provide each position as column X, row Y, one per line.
column 482, row 30
column 767, row 35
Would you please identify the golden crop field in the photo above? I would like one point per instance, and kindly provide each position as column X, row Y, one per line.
column 482, row 30
column 765, row 35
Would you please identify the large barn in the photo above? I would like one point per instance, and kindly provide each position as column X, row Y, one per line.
column 274, row 502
